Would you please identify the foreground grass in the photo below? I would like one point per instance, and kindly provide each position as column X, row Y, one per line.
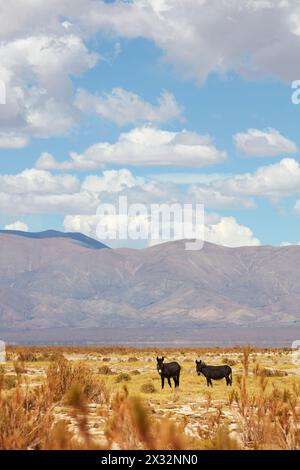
column 66, row 398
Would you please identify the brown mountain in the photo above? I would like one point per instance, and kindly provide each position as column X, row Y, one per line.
column 67, row 281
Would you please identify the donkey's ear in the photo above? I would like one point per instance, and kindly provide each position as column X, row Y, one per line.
column 163, row 358
column 157, row 358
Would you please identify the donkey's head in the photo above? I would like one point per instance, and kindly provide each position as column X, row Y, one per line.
column 160, row 362
column 199, row 366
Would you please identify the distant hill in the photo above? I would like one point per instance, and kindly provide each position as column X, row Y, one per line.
column 56, row 280
column 83, row 239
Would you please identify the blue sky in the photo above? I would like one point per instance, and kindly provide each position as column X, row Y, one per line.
column 61, row 75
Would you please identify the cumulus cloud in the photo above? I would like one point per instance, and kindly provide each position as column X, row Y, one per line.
column 229, row 232
column 226, row 231
column 10, row 140
column 37, row 70
column 19, row 226
column 35, row 203
column 38, row 181
column 216, row 199
column 47, row 43
column 124, row 107
column 244, row 36
column 112, row 181
column 272, row 181
column 259, row 143
column 144, row 146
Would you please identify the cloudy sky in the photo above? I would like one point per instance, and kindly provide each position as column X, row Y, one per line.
column 160, row 100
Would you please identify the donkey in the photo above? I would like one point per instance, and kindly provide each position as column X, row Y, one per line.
column 168, row 371
column 214, row 373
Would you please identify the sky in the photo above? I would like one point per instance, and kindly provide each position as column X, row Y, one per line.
column 162, row 101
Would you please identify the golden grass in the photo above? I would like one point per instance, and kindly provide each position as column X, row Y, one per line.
column 69, row 398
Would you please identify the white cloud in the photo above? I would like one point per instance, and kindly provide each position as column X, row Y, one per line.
column 112, row 181
column 35, row 203
column 38, row 181
column 214, row 199
column 273, row 181
column 285, row 244
column 188, row 178
column 244, row 36
column 37, row 71
column 9, row 140
column 124, row 107
column 229, row 232
column 297, row 207
column 258, row 143
column 144, row 146
column 44, row 43
column 19, row 226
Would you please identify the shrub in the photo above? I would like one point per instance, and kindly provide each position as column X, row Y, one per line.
column 123, row 377
column 10, row 381
column 62, row 375
column 148, row 388
column 132, row 359
column 19, row 368
column 105, row 370
column 27, row 356
column 271, row 373
column 23, row 426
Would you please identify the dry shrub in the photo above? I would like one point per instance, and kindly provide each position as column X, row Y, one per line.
column 105, row 370
column 272, row 373
column 24, row 420
column 269, row 420
column 62, row 375
column 246, row 359
column 27, row 356
column 135, row 372
column 132, row 427
column 10, row 381
column 123, row 377
column 132, row 359
column 19, row 368
column 221, row 441
column 2, row 377
column 148, row 388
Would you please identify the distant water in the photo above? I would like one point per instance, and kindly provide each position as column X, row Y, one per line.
column 265, row 336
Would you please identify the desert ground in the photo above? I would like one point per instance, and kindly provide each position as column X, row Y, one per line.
column 111, row 398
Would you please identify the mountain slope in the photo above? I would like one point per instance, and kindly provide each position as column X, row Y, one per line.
column 59, row 281
column 79, row 237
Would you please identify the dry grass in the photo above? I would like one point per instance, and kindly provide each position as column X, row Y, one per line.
column 66, row 398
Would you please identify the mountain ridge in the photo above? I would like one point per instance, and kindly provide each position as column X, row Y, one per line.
column 59, row 282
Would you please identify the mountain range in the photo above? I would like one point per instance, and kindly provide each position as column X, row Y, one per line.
column 54, row 280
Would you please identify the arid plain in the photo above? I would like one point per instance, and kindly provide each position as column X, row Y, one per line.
column 111, row 398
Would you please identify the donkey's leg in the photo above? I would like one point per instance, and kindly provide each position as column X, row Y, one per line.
column 162, row 382
column 169, row 382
